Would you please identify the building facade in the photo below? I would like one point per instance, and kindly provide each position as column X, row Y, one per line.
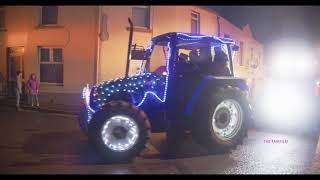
column 58, row 44
column 70, row 46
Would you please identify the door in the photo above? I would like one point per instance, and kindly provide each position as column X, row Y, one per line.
column 14, row 64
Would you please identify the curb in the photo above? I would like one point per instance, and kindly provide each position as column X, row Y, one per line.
column 315, row 164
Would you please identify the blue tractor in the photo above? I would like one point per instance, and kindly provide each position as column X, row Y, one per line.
column 186, row 83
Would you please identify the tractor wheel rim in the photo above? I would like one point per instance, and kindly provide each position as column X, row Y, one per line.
column 120, row 133
column 227, row 119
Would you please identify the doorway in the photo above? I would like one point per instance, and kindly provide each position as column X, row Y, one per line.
column 15, row 63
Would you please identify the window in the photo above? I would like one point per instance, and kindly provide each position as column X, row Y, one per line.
column 51, row 65
column 49, row 15
column 2, row 18
column 241, row 54
column 195, row 22
column 141, row 16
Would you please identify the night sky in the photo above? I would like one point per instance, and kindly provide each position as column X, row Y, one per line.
column 273, row 23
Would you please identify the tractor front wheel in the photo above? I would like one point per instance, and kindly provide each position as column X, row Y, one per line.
column 119, row 131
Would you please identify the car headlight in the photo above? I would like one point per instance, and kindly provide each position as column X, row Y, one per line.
column 285, row 104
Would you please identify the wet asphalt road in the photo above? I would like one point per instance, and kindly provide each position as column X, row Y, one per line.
column 33, row 142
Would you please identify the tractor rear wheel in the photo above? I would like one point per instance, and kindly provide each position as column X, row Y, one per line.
column 221, row 123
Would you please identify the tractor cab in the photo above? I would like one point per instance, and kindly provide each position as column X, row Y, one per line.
column 187, row 53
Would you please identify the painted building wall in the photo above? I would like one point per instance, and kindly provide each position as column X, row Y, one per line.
column 113, row 51
column 75, row 33
column 165, row 19
column 245, row 70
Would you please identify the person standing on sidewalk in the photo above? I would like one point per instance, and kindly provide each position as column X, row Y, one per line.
column 33, row 87
column 18, row 88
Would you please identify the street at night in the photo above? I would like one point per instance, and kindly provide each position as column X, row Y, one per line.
column 148, row 89
column 42, row 143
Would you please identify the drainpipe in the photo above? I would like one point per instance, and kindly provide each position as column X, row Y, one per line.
column 218, row 25
column 98, row 45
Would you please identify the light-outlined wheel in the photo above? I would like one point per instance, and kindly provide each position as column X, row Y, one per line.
column 119, row 131
column 221, row 121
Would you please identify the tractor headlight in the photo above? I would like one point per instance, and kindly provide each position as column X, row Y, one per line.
column 86, row 94
column 86, row 100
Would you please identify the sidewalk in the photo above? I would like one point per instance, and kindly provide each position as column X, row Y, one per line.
column 315, row 166
column 44, row 107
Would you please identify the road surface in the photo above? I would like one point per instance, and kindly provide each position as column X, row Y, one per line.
column 41, row 143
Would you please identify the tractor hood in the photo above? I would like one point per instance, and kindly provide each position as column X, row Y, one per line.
column 129, row 89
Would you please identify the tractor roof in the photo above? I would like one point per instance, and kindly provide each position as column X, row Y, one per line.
column 190, row 38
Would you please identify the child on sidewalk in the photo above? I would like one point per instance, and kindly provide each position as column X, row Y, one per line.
column 33, row 87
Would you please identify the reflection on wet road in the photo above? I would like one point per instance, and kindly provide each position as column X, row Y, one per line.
column 34, row 142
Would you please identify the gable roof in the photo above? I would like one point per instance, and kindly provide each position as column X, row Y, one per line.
column 247, row 30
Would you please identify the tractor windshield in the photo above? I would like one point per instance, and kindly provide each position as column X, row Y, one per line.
column 155, row 60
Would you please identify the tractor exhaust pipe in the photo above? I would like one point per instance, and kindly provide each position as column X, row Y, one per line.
column 129, row 47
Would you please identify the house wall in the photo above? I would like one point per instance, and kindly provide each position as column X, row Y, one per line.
column 244, row 35
column 75, row 33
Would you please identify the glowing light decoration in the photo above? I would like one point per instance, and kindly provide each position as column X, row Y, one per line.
column 164, row 73
column 166, row 84
column 120, row 144
column 198, row 37
column 86, row 97
column 134, row 85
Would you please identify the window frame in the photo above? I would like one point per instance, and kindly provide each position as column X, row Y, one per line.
column 41, row 18
column 149, row 24
column 51, row 61
column 196, row 19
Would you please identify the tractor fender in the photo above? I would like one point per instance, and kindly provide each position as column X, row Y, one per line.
column 211, row 84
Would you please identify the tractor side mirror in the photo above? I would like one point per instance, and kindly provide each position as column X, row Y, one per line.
column 235, row 48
